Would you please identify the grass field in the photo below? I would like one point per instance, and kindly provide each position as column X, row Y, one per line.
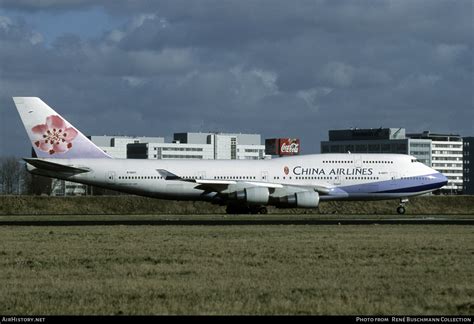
column 237, row 270
column 135, row 205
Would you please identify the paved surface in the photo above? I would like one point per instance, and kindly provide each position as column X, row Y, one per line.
column 292, row 220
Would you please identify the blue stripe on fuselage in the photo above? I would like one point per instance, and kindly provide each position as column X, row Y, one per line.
column 408, row 185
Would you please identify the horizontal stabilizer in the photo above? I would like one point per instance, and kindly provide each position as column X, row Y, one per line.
column 56, row 167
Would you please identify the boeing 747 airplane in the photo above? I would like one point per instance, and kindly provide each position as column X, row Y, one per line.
column 243, row 186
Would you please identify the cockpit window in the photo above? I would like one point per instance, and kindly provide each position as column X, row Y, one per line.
column 414, row 160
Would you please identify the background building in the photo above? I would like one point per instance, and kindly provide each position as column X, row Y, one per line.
column 468, row 165
column 116, row 146
column 202, row 146
column 447, row 157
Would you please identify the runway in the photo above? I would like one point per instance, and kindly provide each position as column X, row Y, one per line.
column 231, row 221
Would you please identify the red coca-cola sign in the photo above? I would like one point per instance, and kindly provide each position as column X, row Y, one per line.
column 282, row 146
column 289, row 146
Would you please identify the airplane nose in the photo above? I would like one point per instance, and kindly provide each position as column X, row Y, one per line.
column 443, row 180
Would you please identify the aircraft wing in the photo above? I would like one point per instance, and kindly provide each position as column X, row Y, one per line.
column 169, row 175
column 228, row 185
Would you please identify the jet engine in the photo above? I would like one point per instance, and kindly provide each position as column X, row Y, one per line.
column 254, row 195
column 303, row 199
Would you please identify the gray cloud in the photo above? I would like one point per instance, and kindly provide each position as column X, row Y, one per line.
column 278, row 68
column 57, row 5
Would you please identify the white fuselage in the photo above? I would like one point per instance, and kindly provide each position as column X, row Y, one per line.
column 334, row 176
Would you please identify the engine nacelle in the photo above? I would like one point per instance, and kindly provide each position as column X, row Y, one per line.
column 254, row 195
column 307, row 199
column 303, row 199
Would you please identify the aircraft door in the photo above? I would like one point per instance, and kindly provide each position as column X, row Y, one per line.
column 202, row 175
column 358, row 161
column 264, row 175
column 110, row 177
column 393, row 175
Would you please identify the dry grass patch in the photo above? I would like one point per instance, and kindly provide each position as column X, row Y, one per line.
column 237, row 270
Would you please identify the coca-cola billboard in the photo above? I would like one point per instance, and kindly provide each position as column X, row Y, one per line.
column 289, row 146
column 282, row 146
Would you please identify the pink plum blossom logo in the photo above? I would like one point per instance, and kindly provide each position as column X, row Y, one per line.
column 54, row 136
column 286, row 170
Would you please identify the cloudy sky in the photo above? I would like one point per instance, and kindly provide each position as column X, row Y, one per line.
column 277, row 67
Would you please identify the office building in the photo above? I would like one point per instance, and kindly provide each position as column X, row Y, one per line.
column 202, row 146
column 447, row 158
column 116, row 146
column 468, row 165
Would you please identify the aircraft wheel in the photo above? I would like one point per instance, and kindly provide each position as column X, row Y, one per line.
column 258, row 210
column 401, row 210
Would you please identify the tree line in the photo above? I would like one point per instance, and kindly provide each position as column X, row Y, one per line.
column 16, row 180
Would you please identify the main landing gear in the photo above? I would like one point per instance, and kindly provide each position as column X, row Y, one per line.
column 243, row 209
column 401, row 209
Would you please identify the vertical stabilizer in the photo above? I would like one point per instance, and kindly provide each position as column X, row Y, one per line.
column 51, row 135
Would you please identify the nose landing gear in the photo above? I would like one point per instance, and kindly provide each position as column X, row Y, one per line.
column 401, row 208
